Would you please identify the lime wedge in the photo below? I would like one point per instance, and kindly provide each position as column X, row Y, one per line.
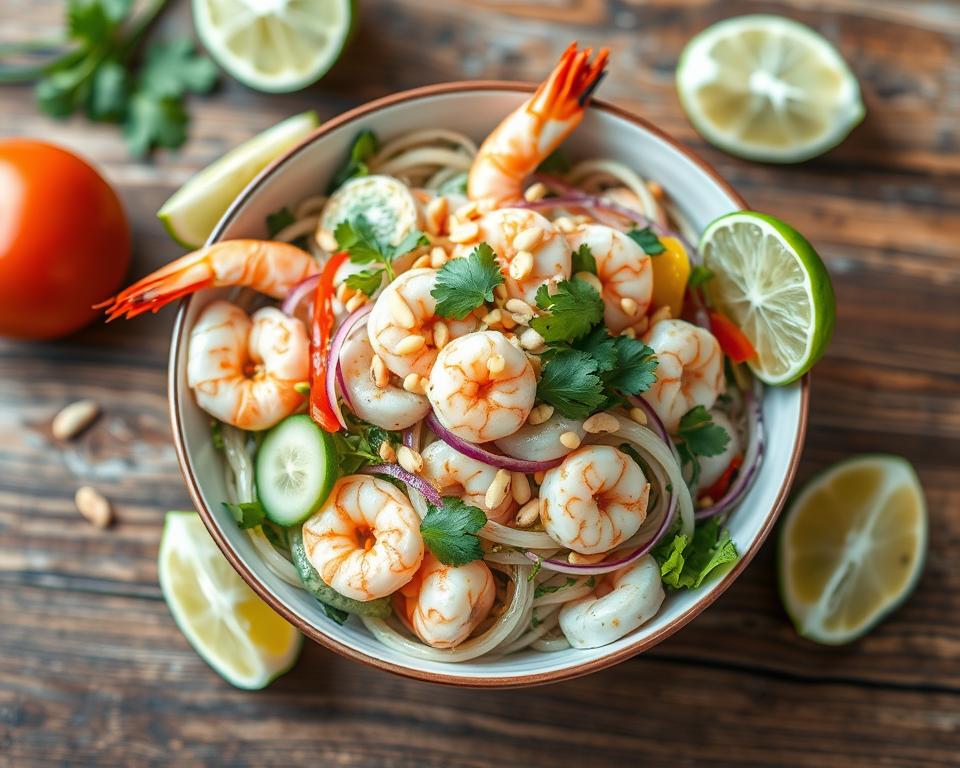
column 274, row 45
column 773, row 285
column 194, row 210
column 768, row 88
column 852, row 547
column 231, row 628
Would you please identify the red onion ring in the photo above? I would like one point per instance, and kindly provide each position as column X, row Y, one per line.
column 298, row 293
column 333, row 359
column 418, row 484
column 653, row 420
column 751, row 461
column 411, row 436
column 474, row 451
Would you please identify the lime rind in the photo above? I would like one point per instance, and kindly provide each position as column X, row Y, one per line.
column 817, row 284
column 178, row 524
column 697, row 68
column 192, row 212
column 800, row 615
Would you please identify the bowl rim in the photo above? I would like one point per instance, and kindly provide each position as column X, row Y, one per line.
column 511, row 681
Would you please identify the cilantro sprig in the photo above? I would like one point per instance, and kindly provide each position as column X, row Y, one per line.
column 450, row 531
column 686, row 563
column 358, row 238
column 582, row 260
column 465, row 284
column 569, row 312
column 697, row 436
column 99, row 73
column 699, row 276
column 359, row 446
column 363, row 148
column 647, row 239
column 248, row 514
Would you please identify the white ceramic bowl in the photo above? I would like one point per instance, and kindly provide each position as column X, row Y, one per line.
column 473, row 108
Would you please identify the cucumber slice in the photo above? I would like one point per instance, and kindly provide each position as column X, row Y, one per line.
column 379, row 608
column 296, row 468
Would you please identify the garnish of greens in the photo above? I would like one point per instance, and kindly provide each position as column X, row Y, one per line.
column 364, row 147
column 699, row 276
column 96, row 68
column 570, row 310
column 543, row 589
column 450, row 531
column 697, row 435
column 687, row 563
column 357, row 237
column 465, row 284
column 360, row 446
column 647, row 239
column 248, row 514
column 582, row 260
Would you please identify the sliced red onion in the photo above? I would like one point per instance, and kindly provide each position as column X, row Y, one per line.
column 418, row 484
column 751, row 461
column 411, row 436
column 607, row 566
column 474, row 451
column 298, row 293
column 333, row 359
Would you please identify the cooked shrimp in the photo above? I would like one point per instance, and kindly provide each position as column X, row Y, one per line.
column 454, row 474
column 537, row 127
column 404, row 328
column 622, row 601
column 529, row 248
column 365, row 539
column 268, row 267
column 482, row 387
column 624, row 270
column 443, row 604
column 712, row 467
column 595, row 500
column 243, row 370
column 389, row 406
column 541, row 442
column 689, row 373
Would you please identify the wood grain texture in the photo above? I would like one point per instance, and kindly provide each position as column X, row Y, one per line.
column 92, row 668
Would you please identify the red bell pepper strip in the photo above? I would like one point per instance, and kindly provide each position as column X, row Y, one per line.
column 322, row 323
column 733, row 341
column 722, row 484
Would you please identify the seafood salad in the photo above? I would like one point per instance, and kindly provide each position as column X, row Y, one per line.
column 476, row 397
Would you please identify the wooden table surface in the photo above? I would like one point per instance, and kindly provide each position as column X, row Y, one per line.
column 92, row 668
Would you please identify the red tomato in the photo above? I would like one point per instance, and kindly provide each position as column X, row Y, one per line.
column 733, row 341
column 64, row 240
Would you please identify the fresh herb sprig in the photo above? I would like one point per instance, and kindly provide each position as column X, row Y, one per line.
column 359, row 446
column 698, row 436
column 569, row 310
column 686, row 563
column 363, row 148
column 100, row 73
column 465, row 284
column 450, row 531
column 358, row 237
column 647, row 239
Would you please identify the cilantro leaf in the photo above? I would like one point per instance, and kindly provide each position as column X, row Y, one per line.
column 364, row 147
column 412, row 241
column 701, row 436
column 699, row 275
column 465, row 284
column 634, row 371
column 647, row 239
column 455, row 185
column 359, row 446
column 279, row 220
column 572, row 311
column 249, row 514
column 357, row 237
column 172, row 69
column 449, row 531
column 687, row 563
column 583, row 261
column 154, row 122
column 366, row 281
column 569, row 382
column 601, row 346
column 543, row 589
column 108, row 91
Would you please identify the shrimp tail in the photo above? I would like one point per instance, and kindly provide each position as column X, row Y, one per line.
column 272, row 268
column 567, row 90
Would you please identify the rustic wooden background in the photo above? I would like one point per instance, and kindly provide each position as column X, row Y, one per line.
column 92, row 668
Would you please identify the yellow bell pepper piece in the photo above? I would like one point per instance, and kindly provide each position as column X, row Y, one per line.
column 671, row 270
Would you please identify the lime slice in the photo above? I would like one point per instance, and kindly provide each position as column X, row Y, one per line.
column 773, row 285
column 852, row 547
column 768, row 88
column 194, row 210
column 231, row 628
column 274, row 45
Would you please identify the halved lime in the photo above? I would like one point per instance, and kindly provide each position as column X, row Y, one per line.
column 768, row 88
column 231, row 628
column 773, row 285
column 274, row 45
column 194, row 210
column 852, row 547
